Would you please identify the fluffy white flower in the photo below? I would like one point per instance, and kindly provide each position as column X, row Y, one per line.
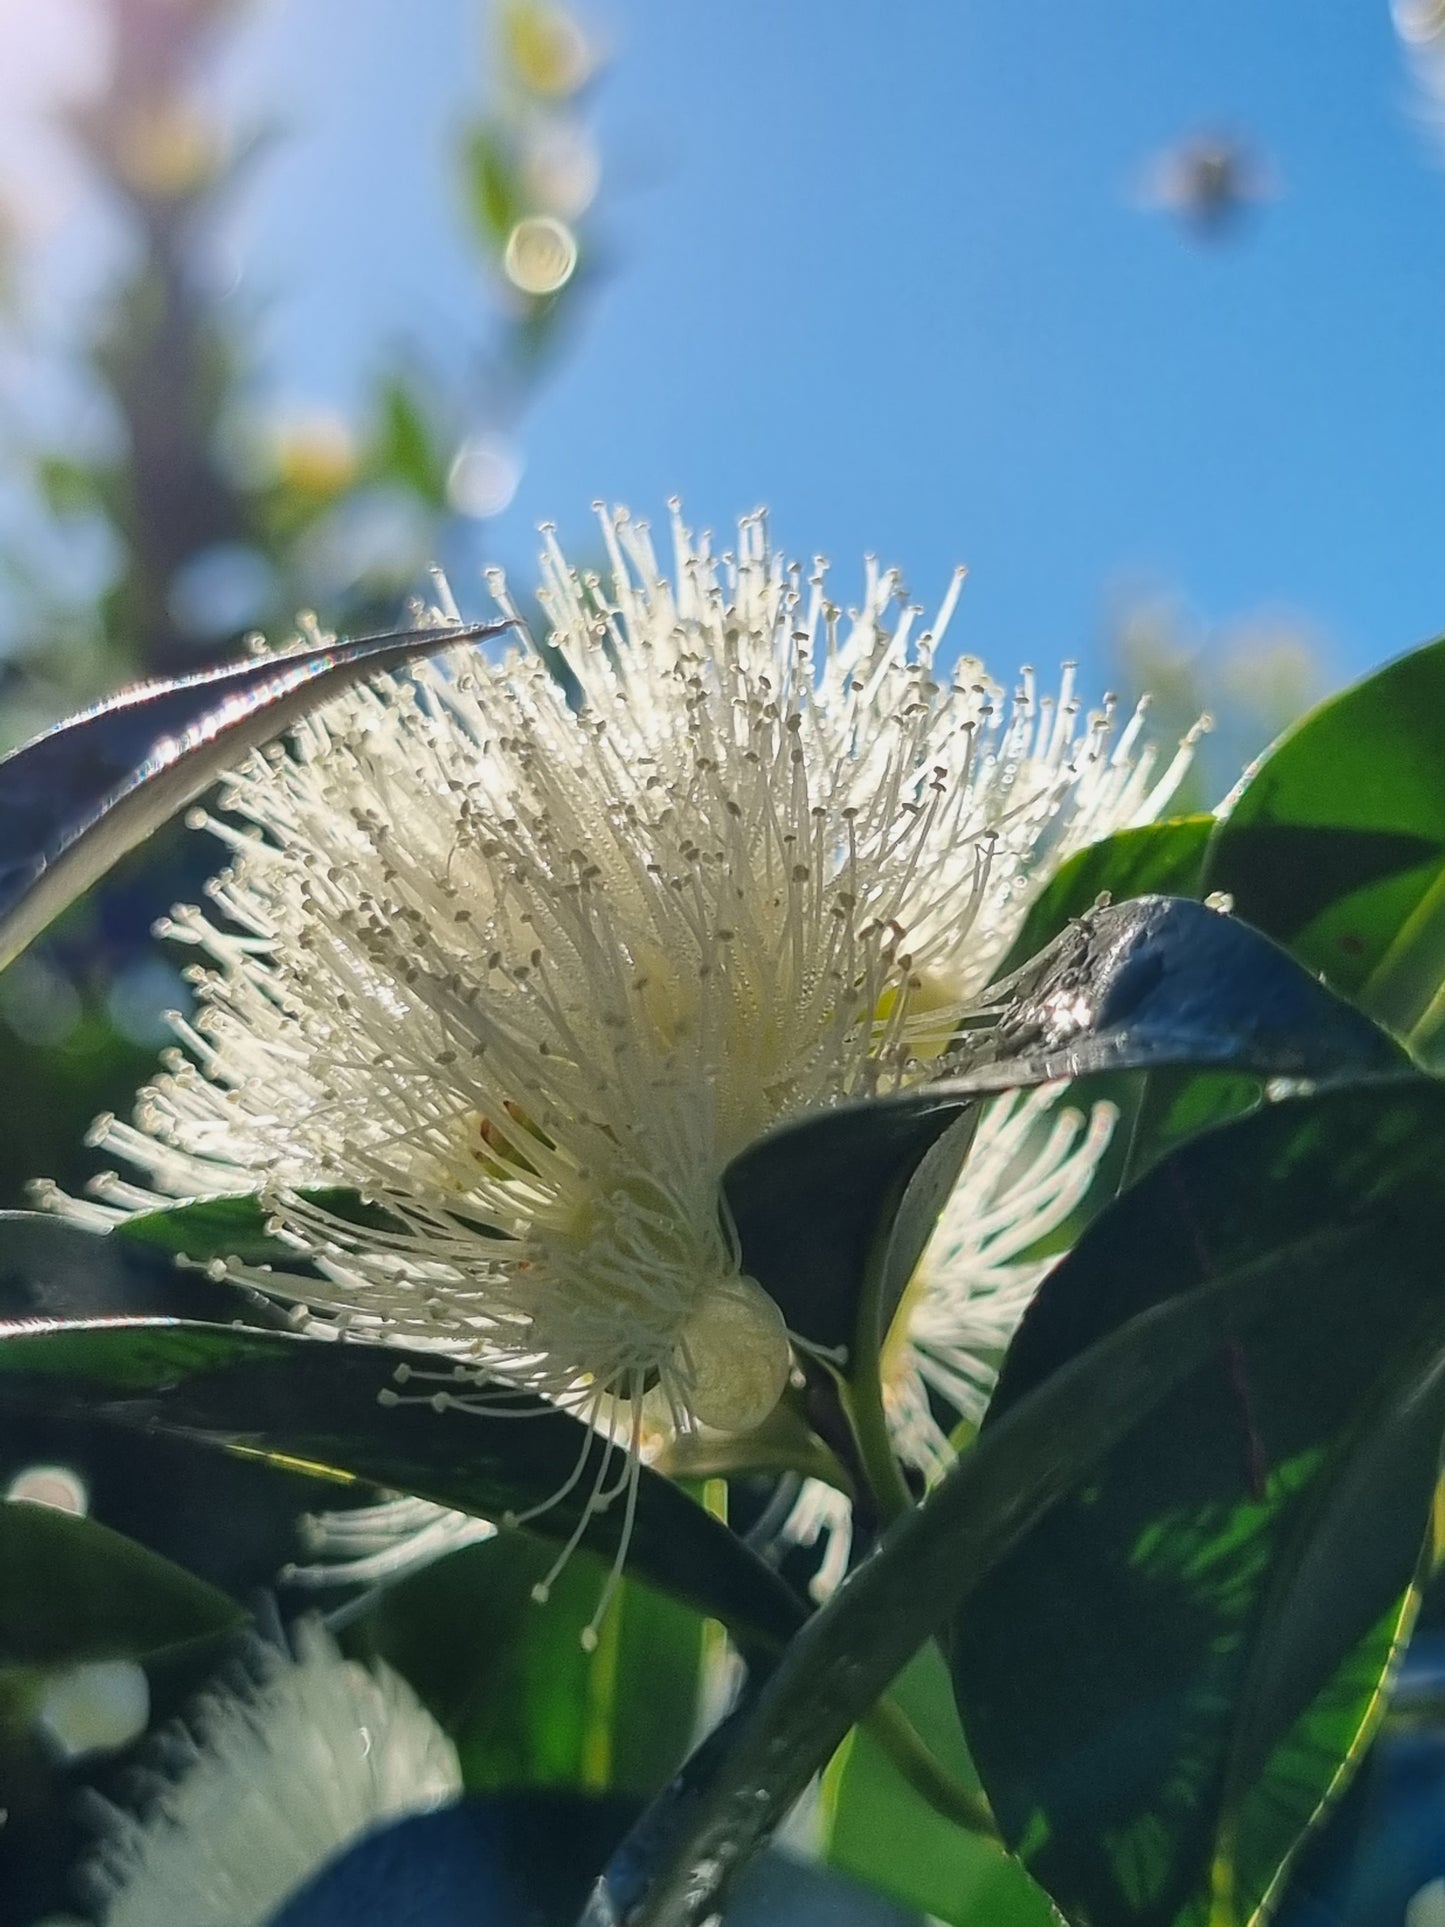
column 275, row 1777
column 375, row 1542
column 530, row 969
column 1030, row 1165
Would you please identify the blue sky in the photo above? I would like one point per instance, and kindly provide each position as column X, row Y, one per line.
column 876, row 264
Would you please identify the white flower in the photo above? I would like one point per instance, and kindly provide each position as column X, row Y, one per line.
column 531, row 971
column 1420, row 25
column 374, row 1542
column 277, row 1777
column 1029, row 1167
column 1426, row 1908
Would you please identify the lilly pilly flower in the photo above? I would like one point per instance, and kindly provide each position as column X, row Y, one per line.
column 271, row 1776
column 1030, row 1165
column 530, row 969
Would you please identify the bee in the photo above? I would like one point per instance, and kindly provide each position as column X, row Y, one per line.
column 1208, row 181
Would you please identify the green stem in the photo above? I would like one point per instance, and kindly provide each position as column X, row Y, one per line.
column 863, row 1387
column 1403, row 991
column 863, row 1396
column 890, row 1728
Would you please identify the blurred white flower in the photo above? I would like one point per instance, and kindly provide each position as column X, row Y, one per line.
column 374, row 1542
column 92, row 1706
column 540, row 255
column 530, row 976
column 1420, row 25
column 275, row 1775
column 52, row 1485
column 1427, row 1907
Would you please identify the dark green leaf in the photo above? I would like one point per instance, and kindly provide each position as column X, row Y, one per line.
column 1164, row 1680
column 53, row 1269
column 682, row 1857
column 1164, row 980
column 1157, row 859
column 203, row 1229
column 808, row 1201
column 313, row 1405
column 1157, row 982
column 73, row 1590
column 231, row 1521
column 74, row 800
column 1335, row 843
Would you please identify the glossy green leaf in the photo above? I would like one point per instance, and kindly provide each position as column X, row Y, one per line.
column 525, row 1703
column 1166, row 981
column 238, row 1227
column 74, row 800
column 1156, row 982
column 1235, row 1569
column 74, row 1590
column 808, row 1201
column 1335, row 842
column 53, row 1269
column 1157, row 859
column 1157, row 1108
column 680, row 1861
column 314, row 1406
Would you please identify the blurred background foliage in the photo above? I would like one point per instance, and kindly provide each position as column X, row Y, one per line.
column 186, row 511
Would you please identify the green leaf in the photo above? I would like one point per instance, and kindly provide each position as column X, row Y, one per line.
column 1158, row 859
column 69, row 487
column 1237, row 1568
column 406, row 448
column 1335, row 842
column 494, row 194
column 312, row 1406
column 74, row 1590
column 808, row 1201
column 1158, row 1108
column 1166, row 981
column 51, row 1268
column 74, row 800
column 880, row 1832
column 203, row 1229
column 679, row 1862
column 525, row 1704
column 1153, row 983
